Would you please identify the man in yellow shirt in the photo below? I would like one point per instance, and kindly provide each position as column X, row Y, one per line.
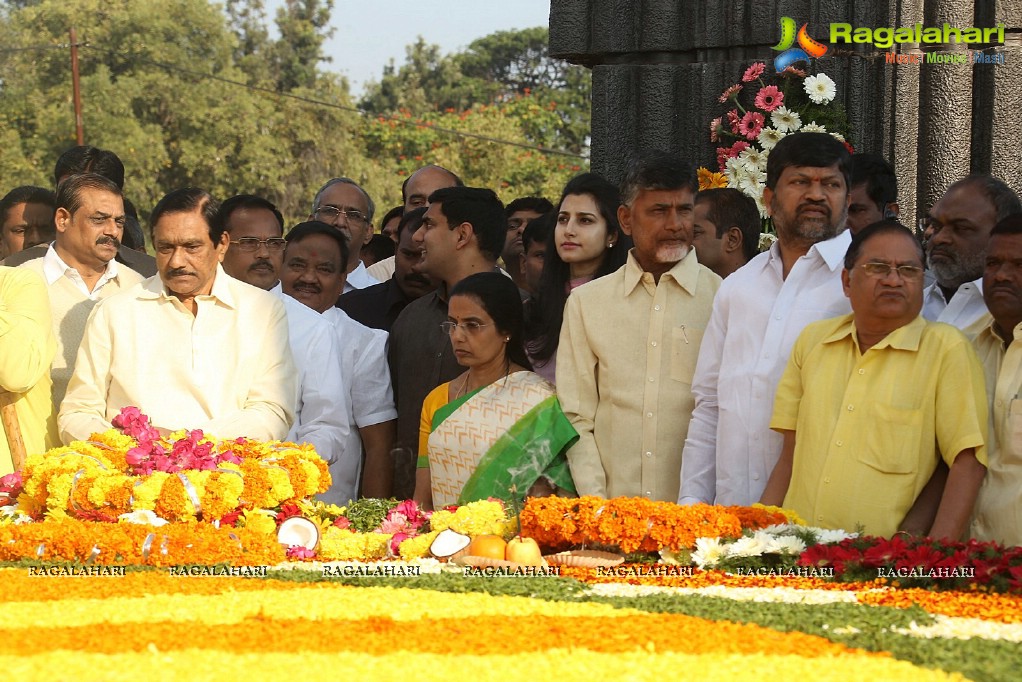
column 26, row 351
column 630, row 340
column 191, row 347
column 869, row 399
column 999, row 346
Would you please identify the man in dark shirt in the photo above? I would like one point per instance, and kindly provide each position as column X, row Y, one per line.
column 379, row 305
column 462, row 233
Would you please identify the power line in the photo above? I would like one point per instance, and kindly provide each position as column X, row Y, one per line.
column 309, row 100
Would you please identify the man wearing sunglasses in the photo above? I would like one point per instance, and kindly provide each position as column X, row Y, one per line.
column 348, row 208
column 870, row 403
column 255, row 255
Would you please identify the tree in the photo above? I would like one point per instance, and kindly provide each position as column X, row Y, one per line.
column 492, row 69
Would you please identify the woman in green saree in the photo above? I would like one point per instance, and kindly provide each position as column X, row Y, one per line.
column 498, row 427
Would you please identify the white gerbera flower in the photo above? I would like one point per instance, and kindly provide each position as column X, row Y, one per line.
column 752, row 182
column 709, row 552
column 786, row 544
column 785, row 120
column 838, row 136
column 813, row 128
column 752, row 545
column 820, row 88
column 826, row 536
column 752, row 158
column 735, row 170
column 768, row 137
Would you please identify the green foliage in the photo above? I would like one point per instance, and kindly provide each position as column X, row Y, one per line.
column 164, row 87
column 496, row 68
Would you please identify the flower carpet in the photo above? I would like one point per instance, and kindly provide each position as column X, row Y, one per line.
column 632, row 623
column 140, row 556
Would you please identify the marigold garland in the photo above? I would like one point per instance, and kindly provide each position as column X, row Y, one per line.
column 92, row 479
column 70, row 539
column 632, row 524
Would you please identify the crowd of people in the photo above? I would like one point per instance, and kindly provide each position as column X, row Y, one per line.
column 628, row 340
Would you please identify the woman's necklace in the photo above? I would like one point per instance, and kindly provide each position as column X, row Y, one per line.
column 468, row 374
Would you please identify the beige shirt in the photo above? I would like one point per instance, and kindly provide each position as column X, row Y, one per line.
column 227, row 370
column 625, row 362
column 998, row 514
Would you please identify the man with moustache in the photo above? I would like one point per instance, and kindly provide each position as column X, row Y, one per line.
column 870, row 402
column 379, row 305
column 79, row 267
column 648, row 317
column 313, row 273
column 757, row 315
column 999, row 346
column 255, row 256
column 415, row 191
column 195, row 348
column 344, row 205
column 959, row 228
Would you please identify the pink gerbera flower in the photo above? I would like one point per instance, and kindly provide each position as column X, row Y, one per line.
column 714, row 127
column 729, row 93
column 753, row 72
column 769, row 98
column 732, row 120
column 751, row 125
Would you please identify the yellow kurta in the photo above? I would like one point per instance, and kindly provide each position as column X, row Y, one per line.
column 999, row 507
column 27, row 347
column 625, row 361
column 868, row 427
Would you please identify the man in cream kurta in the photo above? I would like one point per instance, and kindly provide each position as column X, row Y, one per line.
column 191, row 347
column 630, row 340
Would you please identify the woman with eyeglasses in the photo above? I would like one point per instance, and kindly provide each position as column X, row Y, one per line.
column 496, row 430
column 588, row 243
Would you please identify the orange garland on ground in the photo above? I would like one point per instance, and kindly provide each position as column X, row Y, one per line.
column 125, row 543
column 632, row 524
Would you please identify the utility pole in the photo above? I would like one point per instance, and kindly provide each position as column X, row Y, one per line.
column 76, row 87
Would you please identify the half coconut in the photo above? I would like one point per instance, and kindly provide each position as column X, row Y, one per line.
column 447, row 543
column 298, row 532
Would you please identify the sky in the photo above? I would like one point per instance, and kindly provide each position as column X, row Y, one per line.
column 369, row 33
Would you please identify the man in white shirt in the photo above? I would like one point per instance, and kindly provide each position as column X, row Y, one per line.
column 757, row 315
column 313, row 273
column 346, row 207
column 959, row 230
column 195, row 348
column 79, row 266
column 255, row 256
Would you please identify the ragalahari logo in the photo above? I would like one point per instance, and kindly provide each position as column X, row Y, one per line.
column 807, row 47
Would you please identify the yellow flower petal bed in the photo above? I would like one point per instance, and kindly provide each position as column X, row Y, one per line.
column 1004, row 608
column 163, row 627
column 564, row 665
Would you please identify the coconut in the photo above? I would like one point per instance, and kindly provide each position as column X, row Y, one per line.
column 448, row 543
column 298, row 532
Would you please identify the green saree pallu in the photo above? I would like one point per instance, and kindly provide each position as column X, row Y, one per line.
column 504, row 436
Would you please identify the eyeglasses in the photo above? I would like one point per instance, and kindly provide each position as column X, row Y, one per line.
column 470, row 328
column 909, row 273
column 332, row 213
column 253, row 244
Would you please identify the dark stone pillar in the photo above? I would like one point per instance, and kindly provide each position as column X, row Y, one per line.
column 659, row 65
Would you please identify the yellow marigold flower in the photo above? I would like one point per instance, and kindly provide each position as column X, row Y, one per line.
column 260, row 521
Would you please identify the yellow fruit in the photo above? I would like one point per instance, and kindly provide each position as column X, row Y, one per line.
column 524, row 551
